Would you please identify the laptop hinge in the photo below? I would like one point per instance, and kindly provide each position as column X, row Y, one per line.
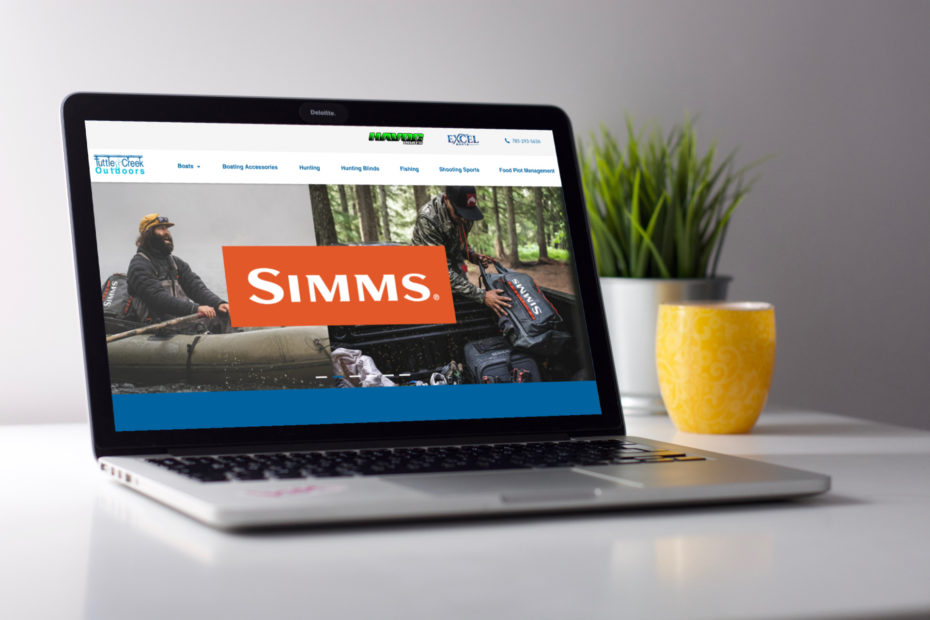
column 359, row 445
column 597, row 436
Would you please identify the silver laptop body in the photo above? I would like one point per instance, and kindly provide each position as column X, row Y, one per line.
column 282, row 406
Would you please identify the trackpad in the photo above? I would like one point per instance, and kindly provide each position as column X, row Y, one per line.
column 512, row 487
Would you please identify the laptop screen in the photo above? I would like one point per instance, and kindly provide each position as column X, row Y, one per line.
column 277, row 275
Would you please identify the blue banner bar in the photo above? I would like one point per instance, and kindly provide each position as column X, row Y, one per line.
column 149, row 412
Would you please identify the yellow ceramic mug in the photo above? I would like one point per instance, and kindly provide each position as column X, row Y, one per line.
column 715, row 363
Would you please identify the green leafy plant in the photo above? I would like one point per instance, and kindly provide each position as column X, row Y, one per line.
column 658, row 208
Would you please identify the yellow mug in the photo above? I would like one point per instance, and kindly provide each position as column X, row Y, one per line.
column 715, row 363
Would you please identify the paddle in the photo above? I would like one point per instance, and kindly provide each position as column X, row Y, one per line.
column 152, row 328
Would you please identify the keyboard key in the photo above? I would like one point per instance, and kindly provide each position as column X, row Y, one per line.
column 246, row 474
column 386, row 461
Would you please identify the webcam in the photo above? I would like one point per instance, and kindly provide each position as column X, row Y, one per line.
column 322, row 112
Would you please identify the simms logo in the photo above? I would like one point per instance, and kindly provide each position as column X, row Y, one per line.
column 386, row 136
column 462, row 139
column 118, row 164
column 529, row 301
column 337, row 285
column 109, row 294
column 386, row 290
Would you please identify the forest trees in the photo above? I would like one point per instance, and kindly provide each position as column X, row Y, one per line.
column 498, row 240
column 540, row 225
column 420, row 195
column 366, row 211
column 512, row 223
column 385, row 219
column 322, row 215
column 521, row 225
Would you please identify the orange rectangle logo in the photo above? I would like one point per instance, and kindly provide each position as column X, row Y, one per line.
column 337, row 285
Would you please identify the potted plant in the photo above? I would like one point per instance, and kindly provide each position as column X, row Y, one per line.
column 659, row 211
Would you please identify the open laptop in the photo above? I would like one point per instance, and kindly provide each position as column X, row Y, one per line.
column 309, row 312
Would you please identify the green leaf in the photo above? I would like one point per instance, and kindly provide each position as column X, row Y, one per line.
column 657, row 205
column 635, row 267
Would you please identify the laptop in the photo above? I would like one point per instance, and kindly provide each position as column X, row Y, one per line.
column 308, row 312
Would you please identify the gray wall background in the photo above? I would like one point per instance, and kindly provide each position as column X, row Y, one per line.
column 835, row 234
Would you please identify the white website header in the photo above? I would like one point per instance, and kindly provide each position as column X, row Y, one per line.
column 127, row 152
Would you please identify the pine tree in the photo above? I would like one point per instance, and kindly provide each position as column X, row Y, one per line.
column 512, row 222
column 499, row 242
column 420, row 196
column 540, row 225
column 366, row 211
column 385, row 223
column 322, row 212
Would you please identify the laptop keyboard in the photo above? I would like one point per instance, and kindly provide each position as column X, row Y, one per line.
column 382, row 462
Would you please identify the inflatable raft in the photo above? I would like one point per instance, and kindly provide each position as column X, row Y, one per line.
column 270, row 357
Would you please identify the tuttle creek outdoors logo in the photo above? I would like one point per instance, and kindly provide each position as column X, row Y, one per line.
column 119, row 164
column 389, row 136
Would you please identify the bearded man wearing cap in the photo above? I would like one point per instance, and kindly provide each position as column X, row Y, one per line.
column 446, row 220
column 164, row 287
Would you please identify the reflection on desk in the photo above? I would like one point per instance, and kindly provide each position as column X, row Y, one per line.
column 856, row 551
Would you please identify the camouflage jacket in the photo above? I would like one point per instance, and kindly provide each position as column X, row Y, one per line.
column 434, row 226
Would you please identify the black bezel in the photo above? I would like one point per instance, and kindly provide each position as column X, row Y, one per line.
column 81, row 107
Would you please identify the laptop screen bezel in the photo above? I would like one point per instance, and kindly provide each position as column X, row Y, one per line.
column 82, row 107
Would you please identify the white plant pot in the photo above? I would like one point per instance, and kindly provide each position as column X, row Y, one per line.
column 632, row 306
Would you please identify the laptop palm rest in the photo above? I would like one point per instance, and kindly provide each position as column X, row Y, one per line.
column 513, row 487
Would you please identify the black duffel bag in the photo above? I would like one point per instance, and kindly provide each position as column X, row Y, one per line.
column 117, row 302
column 493, row 360
column 120, row 311
column 531, row 323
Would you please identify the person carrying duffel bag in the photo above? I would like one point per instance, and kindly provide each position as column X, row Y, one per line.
column 531, row 323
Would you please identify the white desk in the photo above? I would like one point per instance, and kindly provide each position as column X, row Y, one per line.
column 74, row 545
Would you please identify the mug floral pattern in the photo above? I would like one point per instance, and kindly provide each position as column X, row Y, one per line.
column 715, row 364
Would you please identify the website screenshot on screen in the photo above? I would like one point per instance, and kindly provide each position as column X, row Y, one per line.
column 258, row 275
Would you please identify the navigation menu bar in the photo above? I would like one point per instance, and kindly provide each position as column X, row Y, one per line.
column 127, row 152
column 326, row 168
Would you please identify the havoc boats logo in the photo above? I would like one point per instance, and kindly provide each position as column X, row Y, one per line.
column 119, row 164
column 388, row 136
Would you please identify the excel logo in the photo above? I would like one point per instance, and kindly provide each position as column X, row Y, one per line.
column 462, row 139
column 118, row 164
column 389, row 136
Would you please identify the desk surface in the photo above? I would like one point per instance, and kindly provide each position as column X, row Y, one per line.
column 75, row 545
